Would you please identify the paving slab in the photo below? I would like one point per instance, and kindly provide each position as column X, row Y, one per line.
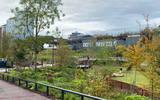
column 12, row 92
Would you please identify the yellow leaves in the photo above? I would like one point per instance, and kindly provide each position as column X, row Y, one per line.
column 128, row 64
column 158, row 69
column 120, row 47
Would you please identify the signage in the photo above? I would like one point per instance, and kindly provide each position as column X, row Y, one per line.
column 98, row 44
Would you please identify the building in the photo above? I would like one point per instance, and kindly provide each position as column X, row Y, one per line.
column 76, row 36
column 0, row 37
column 49, row 46
column 9, row 27
column 110, row 42
column 73, row 34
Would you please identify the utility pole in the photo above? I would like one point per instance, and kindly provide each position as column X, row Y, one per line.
column 53, row 52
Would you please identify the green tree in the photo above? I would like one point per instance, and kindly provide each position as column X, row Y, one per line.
column 5, row 45
column 39, row 14
column 74, row 47
column 64, row 55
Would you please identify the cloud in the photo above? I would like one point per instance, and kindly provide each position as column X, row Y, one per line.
column 97, row 16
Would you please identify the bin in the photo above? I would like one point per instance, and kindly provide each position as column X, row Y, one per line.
column 3, row 62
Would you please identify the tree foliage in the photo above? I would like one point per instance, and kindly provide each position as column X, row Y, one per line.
column 146, row 52
column 5, row 45
column 37, row 15
column 64, row 57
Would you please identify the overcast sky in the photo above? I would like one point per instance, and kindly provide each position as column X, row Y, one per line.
column 97, row 16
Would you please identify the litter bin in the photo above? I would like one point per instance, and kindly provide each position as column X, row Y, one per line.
column 3, row 62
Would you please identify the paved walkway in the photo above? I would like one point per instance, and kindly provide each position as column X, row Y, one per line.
column 13, row 92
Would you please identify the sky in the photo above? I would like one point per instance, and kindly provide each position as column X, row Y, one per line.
column 91, row 17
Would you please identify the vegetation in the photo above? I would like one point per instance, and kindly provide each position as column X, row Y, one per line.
column 77, row 80
column 64, row 56
column 5, row 51
column 146, row 51
column 140, row 80
column 39, row 14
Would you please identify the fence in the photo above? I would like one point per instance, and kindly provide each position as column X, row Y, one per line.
column 129, row 87
column 48, row 86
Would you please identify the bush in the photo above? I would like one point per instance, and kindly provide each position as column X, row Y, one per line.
column 61, row 79
column 50, row 79
column 136, row 97
column 39, row 70
column 58, row 74
column 34, row 75
column 95, row 62
column 41, row 87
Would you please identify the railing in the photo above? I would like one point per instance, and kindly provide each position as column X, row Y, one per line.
column 49, row 86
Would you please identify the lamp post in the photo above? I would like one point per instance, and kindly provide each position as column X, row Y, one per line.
column 53, row 52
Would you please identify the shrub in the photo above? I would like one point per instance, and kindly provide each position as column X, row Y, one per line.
column 50, row 79
column 95, row 62
column 61, row 79
column 58, row 74
column 34, row 75
column 136, row 97
column 14, row 73
column 31, row 85
column 41, row 87
column 39, row 70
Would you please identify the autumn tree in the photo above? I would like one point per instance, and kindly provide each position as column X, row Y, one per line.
column 39, row 14
column 145, row 51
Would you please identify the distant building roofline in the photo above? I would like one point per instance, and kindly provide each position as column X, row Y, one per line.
column 133, row 35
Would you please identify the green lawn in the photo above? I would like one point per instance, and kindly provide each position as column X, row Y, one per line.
column 115, row 69
column 131, row 77
column 80, row 53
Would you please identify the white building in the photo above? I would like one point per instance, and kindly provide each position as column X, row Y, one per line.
column 49, row 46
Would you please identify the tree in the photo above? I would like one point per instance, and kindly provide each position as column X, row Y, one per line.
column 64, row 55
column 5, row 45
column 145, row 51
column 39, row 14
column 74, row 47
column 40, row 42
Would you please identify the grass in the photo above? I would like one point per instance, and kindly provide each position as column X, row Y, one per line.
column 111, row 67
column 114, row 68
column 140, row 79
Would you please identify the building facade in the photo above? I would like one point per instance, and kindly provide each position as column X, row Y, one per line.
column 0, row 37
column 9, row 27
column 76, row 36
column 109, row 42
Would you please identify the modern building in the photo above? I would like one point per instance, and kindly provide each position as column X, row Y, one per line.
column 75, row 39
column 76, row 36
column 0, row 37
column 9, row 27
column 110, row 42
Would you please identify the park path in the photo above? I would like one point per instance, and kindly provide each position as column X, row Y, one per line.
column 12, row 92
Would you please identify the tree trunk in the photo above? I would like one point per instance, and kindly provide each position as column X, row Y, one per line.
column 152, row 90
column 135, row 75
column 126, row 76
column 35, row 60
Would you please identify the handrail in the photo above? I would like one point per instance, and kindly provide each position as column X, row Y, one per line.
column 47, row 89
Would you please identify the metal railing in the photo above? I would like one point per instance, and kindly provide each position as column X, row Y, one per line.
column 49, row 86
